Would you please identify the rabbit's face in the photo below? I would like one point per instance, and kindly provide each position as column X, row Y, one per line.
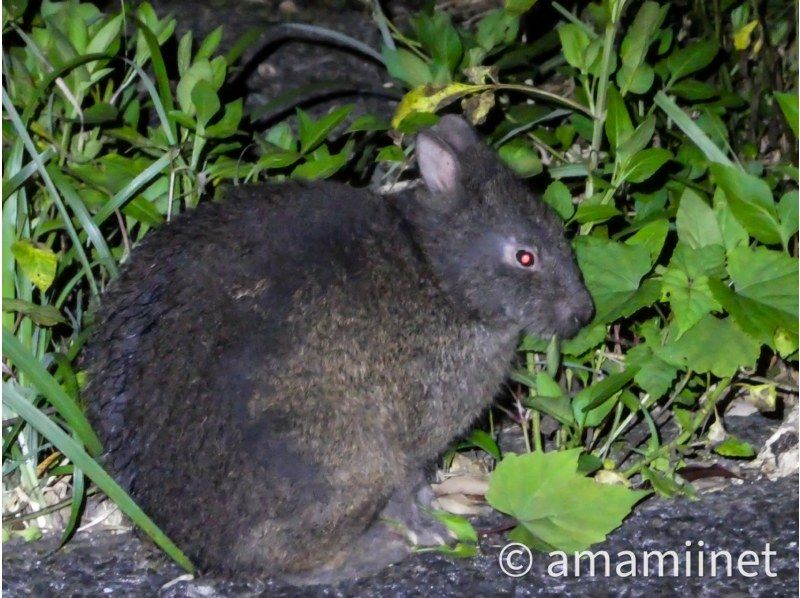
column 496, row 247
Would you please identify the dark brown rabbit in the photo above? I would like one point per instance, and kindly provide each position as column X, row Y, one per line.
column 271, row 374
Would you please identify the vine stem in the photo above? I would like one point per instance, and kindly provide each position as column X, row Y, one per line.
column 599, row 111
column 698, row 421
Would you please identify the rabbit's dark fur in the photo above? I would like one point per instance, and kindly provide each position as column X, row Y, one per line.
column 270, row 374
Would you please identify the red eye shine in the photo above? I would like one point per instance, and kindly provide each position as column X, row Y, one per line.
column 525, row 258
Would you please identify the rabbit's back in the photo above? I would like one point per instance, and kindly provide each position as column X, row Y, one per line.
column 266, row 364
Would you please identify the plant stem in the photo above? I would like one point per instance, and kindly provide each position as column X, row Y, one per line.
column 698, row 421
column 599, row 112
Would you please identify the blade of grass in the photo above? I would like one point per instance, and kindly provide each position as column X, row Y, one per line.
column 25, row 172
column 47, row 386
column 81, row 459
column 78, row 497
column 159, row 69
column 85, row 218
column 51, row 188
column 684, row 122
column 131, row 188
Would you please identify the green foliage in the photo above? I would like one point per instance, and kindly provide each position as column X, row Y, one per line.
column 102, row 140
column 557, row 507
column 650, row 152
column 686, row 237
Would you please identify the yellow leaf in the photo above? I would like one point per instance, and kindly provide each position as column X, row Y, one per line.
column 741, row 39
column 429, row 98
column 37, row 261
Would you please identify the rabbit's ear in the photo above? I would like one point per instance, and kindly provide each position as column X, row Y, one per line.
column 457, row 132
column 438, row 164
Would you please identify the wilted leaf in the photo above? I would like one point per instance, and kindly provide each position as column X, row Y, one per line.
column 44, row 315
column 429, row 98
column 38, row 262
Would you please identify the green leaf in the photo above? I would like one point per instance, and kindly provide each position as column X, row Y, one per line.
column 638, row 140
column 40, row 379
column 406, row 67
column 199, row 71
column 690, row 298
column 100, row 113
column 518, row 7
column 751, row 202
column 368, row 122
column 788, row 103
column 228, row 124
column 485, row 442
column 390, row 153
column 712, row 345
column 696, row 222
column 209, row 44
column 788, row 212
column 312, row 133
column 612, row 272
column 640, row 34
column 43, row 315
column 558, row 197
column 637, row 80
column 205, row 101
column 692, row 58
column 75, row 453
column 439, row 38
column 107, row 34
column 574, row 42
column 38, row 262
column 549, row 397
column 702, row 261
column 618, row 123
column 690, row 129
column 322, row 164
column 558, row 508
column 765, row 296
column 735, row 448
column 651, row 236
column 644, row 164
column 521, row 157
column 497, row 27
column 184, row 52
column 733, row 233
column 592, row 210
column 588, row 400
column 694, row 90
column 281, row 136
column 278, row 159
column 653, row 375
column 460, row 527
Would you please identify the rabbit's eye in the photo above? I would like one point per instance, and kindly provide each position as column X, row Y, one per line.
column 525, row 258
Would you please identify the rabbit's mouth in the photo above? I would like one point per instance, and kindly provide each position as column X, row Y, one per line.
column 567, row 318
